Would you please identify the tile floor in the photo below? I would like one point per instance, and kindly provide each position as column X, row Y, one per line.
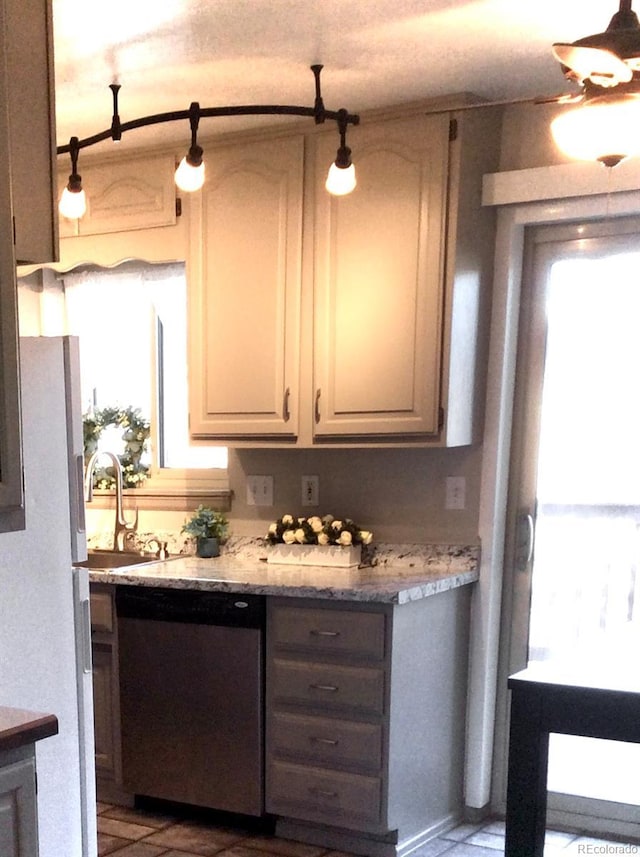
column 140, row 833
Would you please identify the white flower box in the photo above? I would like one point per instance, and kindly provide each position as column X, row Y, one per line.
column 328, row 555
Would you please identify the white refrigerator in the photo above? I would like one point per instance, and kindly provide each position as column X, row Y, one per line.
column 45, row 654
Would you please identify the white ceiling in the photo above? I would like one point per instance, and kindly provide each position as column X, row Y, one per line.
column 167, row 53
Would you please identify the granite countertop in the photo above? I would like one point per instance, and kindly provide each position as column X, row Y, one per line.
column 19, row 727
column 395, row 577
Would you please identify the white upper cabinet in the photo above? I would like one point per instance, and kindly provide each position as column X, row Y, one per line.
column 379, row 283
column 373, row 334
column 30, row 82
column 245, row 292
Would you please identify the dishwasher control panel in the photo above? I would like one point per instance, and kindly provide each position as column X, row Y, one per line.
column 190, row 606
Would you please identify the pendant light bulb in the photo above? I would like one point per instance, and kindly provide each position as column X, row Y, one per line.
column 190, row 173
column 341, row 180
column 73, row 203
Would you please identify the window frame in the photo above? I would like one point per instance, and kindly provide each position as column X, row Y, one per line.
column 166, row 489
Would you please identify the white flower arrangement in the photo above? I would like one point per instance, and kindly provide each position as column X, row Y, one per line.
column 316, row 530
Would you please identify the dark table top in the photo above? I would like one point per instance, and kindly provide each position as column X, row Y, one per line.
column 19, row 727
column 592, row 676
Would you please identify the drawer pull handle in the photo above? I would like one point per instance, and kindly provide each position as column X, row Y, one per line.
column 325, row 633
column 323, row 793
column 331, row 688
column 332, row 741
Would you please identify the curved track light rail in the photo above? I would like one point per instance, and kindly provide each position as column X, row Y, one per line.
column 193, row 160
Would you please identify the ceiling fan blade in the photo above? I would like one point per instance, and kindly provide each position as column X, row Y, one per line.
column 599, row 65
column 562, row 98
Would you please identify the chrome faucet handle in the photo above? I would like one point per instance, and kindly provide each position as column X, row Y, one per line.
column 162, row 552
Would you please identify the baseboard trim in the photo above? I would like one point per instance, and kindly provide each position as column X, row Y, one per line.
column 476, row 814
column 356, row 842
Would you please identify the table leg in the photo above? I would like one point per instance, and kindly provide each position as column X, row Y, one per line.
column 527, row 778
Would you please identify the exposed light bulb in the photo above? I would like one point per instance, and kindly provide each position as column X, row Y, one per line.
column 73, row 204
column 606, row 130
column 190, row 173
column 341, row 180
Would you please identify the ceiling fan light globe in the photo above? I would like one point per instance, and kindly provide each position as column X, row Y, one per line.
column 73, row 204
column 606, row 131
column 188, row 177
column 341, row 180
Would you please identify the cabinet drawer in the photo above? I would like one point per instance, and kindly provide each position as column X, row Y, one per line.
column 340, row 631
column 101, row 611
column 326, row 741
column 329, row 685
column 314, row 793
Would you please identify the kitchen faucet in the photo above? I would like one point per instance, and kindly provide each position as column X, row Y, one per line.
column 122, row 526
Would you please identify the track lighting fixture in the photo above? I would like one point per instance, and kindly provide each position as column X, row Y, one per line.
column 341, row 179
column 190, row 172
column 73, row 202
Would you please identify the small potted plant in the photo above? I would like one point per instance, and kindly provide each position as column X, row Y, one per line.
column 209, row 528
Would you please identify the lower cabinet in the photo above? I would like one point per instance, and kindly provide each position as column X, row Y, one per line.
column 365, row 720
column 18, row 813
column 106, row 694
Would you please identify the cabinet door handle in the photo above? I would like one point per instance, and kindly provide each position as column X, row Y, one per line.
column 325, row 633
column 285, row 406
column 323, row 793
column 330, row 688
column 85, row 620
column 317, row 405
column 332, row 741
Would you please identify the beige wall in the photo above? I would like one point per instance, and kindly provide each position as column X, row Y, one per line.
column 397, row 493
column 526, row 137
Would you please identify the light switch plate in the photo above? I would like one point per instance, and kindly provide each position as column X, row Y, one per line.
column 455, row 492
column 310, row 490
column 259, row 490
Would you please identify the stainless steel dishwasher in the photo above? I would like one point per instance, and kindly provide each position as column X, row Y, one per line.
column 191, row 696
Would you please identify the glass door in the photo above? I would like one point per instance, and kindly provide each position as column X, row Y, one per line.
column 574, row 516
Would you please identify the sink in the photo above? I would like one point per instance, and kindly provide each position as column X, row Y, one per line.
column 115, row 559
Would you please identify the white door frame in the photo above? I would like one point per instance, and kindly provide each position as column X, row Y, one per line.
column 525, row 198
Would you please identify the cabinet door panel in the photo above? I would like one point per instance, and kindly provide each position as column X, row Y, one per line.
column 379, row 283
column 246, row 296
column 29, row 47
column 103, row 708
column 18, row 814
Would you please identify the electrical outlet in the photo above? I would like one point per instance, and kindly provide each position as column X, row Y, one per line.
column 259, row 490
column 310, row 490
column 455, row 491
